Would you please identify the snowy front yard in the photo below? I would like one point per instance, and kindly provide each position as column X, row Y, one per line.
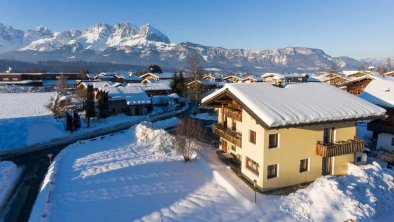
column 136, row 176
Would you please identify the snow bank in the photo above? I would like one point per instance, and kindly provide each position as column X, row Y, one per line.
column 158, row 141
column 366, row 193
column 9, row 175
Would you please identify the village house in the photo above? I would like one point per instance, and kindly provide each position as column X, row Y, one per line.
column 202, row 86
column 157, row 76
column 40, row 79
column 251, row 79
column 381, row 93
column 390, row 73
column 212, row 77
column 232, row 79
column 131, row 100
column 290, row 135
column 278, row 79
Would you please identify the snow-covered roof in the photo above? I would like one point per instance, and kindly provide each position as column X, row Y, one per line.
column 90, row 75
column 298, row 104
column 380, row 92
column 162, row 85
column 204, row 82
column 350, row 72
column 132, row 94
column 164, row 75
column 96, row 84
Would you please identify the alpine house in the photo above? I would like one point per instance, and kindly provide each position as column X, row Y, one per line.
column 290, row 135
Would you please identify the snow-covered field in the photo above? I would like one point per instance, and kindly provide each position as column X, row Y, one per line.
column 9, row 175
column 17, row 105
column 136, row 176
column 25, row 121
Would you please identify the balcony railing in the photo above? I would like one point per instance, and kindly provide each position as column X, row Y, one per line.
column 339, row 148
column 228, row 134
column 233, row 114
column 381, row 126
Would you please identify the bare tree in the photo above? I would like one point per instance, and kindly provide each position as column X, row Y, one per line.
column 61, row 85
column 381, row 70
column 188, row 133
column 57, row 106
column 197, row 72
column 195, row 68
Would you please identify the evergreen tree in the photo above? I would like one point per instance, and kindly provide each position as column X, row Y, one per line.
column 102, row 98
column 181, row 84
column 174, row 83
column 155, row 69
column 90, row 112
column 69, row 122
column 76, row 120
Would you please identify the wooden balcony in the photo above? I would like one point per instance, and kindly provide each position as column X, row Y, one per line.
column 339, row 148
column 381, row 126
column 230, row 135
column 233, row 114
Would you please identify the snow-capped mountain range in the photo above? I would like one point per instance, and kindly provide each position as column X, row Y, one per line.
column 125, row 43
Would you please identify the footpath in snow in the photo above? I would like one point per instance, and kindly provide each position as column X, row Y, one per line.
column 136, row 175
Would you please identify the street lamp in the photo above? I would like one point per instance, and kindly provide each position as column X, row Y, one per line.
column 255, row 187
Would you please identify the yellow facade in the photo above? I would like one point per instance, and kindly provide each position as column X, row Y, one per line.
column 294, row 144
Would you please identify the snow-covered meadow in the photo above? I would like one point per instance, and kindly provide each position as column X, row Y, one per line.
column 25, row 121
column 136, row 175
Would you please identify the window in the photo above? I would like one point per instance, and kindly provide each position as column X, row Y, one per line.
column 6, row 79
column 233, row 148
column 273, row 141
column 252, row 136
column 234, row 125
column 304, row 165
column 252, row 166
column 392, row 141
column 15, row 79
column 272, row 171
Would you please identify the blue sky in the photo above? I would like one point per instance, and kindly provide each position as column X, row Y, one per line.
column 356, row 28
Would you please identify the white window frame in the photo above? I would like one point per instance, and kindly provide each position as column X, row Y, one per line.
column 309, row 165
column 277, row 171
column 277, row 144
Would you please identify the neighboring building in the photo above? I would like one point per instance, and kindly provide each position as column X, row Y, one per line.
column 131, row 100
column 202, row 87
column 278, row 79
column 381, row 93
column 157, row 76
column 357, row 84
column 39, row 79
column 251, row 79
column 232, row 79
column 213, row 77
column 391, row 73
column 290, row 135
column 156, row 88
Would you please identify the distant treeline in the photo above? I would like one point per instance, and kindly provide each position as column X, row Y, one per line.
column 76, row 66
